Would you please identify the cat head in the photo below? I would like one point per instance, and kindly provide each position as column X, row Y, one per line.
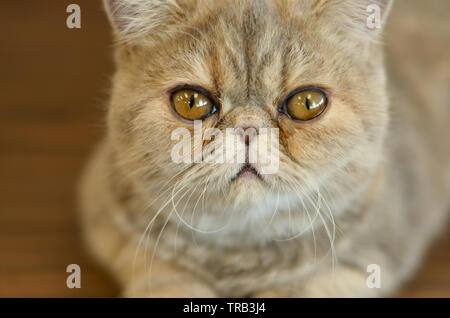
column 311, row 70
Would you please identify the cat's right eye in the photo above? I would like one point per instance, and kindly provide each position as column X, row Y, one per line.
column 192, row 104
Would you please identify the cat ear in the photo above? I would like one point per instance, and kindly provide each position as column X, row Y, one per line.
column 368, row 16
column 363, row 19
column 372, row 13
column 132, row 19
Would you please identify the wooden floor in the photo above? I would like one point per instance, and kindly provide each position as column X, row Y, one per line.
column 53, row 88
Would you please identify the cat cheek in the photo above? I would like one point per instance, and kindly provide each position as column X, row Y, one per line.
column 291, row 138
column 287, row 127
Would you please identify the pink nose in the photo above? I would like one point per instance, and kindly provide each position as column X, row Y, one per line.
column 247, row 134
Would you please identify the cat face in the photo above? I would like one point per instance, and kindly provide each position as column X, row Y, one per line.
column 310, row 69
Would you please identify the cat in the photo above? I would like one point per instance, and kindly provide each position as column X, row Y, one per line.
column 363, row 176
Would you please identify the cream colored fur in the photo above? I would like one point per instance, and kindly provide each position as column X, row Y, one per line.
column 368, row 183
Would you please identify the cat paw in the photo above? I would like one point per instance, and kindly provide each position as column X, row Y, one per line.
column 171, row 290
column 345, row 283
column 272, row 293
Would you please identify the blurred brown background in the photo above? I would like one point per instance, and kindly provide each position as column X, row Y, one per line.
column 53, row 88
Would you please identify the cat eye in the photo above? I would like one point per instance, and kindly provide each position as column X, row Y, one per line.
column 305, row 104
column 193, row 104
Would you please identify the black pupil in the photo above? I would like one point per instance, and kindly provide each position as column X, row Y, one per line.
column 192, row 101
column 308, row 103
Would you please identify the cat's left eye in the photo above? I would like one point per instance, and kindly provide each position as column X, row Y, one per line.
column 305, row 104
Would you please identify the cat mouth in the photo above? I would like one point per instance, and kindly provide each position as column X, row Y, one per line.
column 247, row 172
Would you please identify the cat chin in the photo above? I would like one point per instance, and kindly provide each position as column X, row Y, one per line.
column 256, row 222
column 247, row 189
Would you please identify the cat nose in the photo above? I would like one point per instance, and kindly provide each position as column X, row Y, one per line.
column 247, row 134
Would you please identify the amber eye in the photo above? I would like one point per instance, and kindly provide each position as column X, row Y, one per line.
column 192, row 104
column 306, row 104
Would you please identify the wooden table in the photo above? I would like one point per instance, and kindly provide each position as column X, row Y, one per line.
column 53, row 87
